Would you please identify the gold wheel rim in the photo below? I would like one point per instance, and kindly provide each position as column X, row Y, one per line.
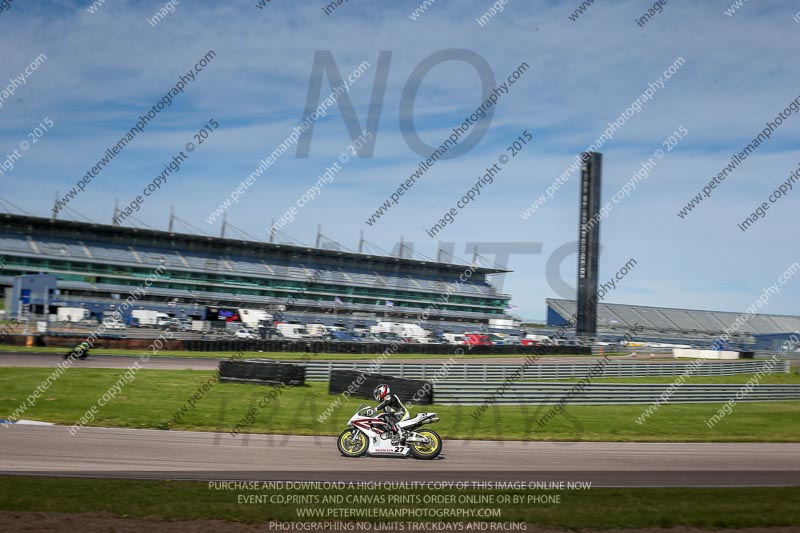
column 351, row 445
column 427, row 449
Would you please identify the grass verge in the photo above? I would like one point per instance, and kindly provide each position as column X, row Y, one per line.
column 286, row 356
column 154, row 396
column 596, row 508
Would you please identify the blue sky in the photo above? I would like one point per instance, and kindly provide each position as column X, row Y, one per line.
column 105, row 69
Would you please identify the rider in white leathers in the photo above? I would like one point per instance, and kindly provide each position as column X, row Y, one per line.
column 394, row 411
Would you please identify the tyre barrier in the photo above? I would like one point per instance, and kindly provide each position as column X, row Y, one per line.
column 362, row 385
column 262, row 371
column 320, row 346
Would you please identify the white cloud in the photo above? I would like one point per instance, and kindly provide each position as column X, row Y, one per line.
column 105, row 69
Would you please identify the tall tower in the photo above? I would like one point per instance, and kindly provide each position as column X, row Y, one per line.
column 588, row 245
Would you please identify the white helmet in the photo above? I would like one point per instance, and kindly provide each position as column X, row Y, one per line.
column 381, row 392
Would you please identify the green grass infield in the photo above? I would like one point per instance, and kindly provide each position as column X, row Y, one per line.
column 154, row 397
column 594, row 509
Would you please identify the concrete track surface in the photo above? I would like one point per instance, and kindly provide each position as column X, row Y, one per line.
column 155, row 454
column 50, row 360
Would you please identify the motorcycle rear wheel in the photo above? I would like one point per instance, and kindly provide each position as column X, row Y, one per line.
column 426, row 451
column 350, row 446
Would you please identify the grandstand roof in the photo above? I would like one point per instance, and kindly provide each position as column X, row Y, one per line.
column 107, row 231
column 671, row 320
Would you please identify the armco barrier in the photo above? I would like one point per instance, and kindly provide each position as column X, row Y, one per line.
column 261, row 371
column 341, row 380
column 526, row 393
column 318, row 346
column 321, row 371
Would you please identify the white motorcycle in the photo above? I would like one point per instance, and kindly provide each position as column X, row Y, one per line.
column 371, row 435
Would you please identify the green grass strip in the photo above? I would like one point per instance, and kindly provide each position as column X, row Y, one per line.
column 596, row 508
column 155, row 396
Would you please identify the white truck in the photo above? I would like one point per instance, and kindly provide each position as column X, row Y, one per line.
column 254, row 318
column 541, row 339
column 146, row 317
column 71, row 314
column 402, row 329
column 292, row 331
column 454, row 338
column 112, row 323
column 200, row 325
column 317, row 330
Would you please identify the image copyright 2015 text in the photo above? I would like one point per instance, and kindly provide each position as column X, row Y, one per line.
column 172, row 167
column 473, row 192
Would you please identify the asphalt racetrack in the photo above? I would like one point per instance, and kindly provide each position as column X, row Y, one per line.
column 50, row 360
column 158, row 454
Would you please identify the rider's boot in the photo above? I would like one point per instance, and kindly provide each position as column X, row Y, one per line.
column 399, row 436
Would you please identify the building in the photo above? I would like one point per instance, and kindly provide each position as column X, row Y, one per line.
column 97, row 266
column 653, row 322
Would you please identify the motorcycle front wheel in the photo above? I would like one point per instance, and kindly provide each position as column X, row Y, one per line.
column 352, row 445
column 429, row 450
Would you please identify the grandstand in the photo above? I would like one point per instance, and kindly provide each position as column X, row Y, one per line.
column 672, row 323
column 96, row 265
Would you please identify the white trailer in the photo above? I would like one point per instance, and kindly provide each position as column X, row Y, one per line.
column 292, row 331
column 416, row 332
column 454, row 338
column 389, row 327
column 317, row 330
column 201, row 325
column 254, row 317
column 506, row 322
column 71, row 314
column 402, row 329
column 537, row 338
column 147, row 317
column 112, row 323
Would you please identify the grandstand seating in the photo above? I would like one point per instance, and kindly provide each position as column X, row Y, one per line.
column 192, row 260
column 100, row 254
column 679, row 322
column 117, row 254
column 15, row 244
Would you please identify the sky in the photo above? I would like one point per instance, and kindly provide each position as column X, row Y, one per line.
column 106, row 65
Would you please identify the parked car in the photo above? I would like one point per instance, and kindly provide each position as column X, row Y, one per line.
column 245, row 333
column 477, row 339
column 343, row 336
column 110, row 323
column 363, row 336
column 387, row 336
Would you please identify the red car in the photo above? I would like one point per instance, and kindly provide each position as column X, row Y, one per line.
column 477, row 339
